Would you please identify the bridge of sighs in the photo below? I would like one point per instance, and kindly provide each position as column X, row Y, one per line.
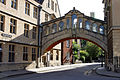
column 73, row 25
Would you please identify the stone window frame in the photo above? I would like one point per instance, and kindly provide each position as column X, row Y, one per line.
column 46, row 17
column 35, row 12
column 3, row 1
column 1, row 52
column 27, row 8
column 48, row 3
column 34, row 32
column 52, row 5
column 2, row 22
column 55, row 7
column 34, row 51
column 13, row 26
column 25, row 53
column 14, row 4
column 26, row 30
column 11, row 53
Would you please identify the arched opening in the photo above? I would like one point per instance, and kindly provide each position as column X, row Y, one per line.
column 61, row 25
column 94, row 27
column 101, row 29
column 54, row 28
column 80, row 23
column 69, row 55
column 87, row 25
column 74, row 21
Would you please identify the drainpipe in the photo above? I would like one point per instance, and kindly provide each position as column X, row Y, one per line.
column 39, row 38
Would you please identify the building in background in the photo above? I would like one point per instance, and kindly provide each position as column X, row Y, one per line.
column 66, row 55
column 19, row 22
column 92, row 14
column 50, row 11
column 112, row 17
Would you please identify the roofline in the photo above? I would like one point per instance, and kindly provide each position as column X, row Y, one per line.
column 84, row 16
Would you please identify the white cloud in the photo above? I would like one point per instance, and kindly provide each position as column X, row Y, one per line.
column 84, row 6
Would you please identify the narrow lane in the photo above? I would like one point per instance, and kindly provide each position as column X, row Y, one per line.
column 78, row 73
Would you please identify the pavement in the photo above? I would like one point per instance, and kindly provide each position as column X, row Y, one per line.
column 13, row 73
column 103, row 72
column 100, row 71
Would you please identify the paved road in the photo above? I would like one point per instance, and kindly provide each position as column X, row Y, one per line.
column 78, row 73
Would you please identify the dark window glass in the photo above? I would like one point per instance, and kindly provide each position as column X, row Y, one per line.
column 2, row 23
column 13, row 26
column 11, row 53
column 33, row 54
column 25, row 53
column 27, row 8
column 14, row 4
column 34, row 32
column 0, row 52
column 26, row 30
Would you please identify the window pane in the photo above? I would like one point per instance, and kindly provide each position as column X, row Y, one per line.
column 74, row 21
column 87, row 25
column 68, row 23
column 95, row 27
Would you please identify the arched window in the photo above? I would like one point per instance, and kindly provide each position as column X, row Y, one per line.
column 94, row 27
column 54, row 28
column 74, row 21
column 68, row 21
column 61, row 25
column 101, row 29
column 80, row 23
column 87, row 25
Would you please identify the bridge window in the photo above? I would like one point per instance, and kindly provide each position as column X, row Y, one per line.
column 101, row 29
column 68, row 21
column 80, row 23
column 87, row 25
column 74, row 21
column 48, row 30
column 95, row 27
column 61, row 25
column 54, row 28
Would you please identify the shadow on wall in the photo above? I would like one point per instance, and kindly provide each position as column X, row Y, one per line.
column 16, row 54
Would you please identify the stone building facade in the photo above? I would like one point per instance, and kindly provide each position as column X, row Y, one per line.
column 111, row 12
column 67, row 54
column 19, row 22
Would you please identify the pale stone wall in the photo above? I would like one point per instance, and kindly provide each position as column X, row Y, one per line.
column 21, row 18
column 115, row 12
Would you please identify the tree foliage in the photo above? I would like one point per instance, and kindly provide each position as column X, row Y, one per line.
column 93, row 50
column 83, row 55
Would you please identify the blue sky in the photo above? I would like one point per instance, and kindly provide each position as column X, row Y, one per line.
column 84, row 6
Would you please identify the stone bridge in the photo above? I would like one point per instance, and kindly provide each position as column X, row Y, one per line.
column 74, row 25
